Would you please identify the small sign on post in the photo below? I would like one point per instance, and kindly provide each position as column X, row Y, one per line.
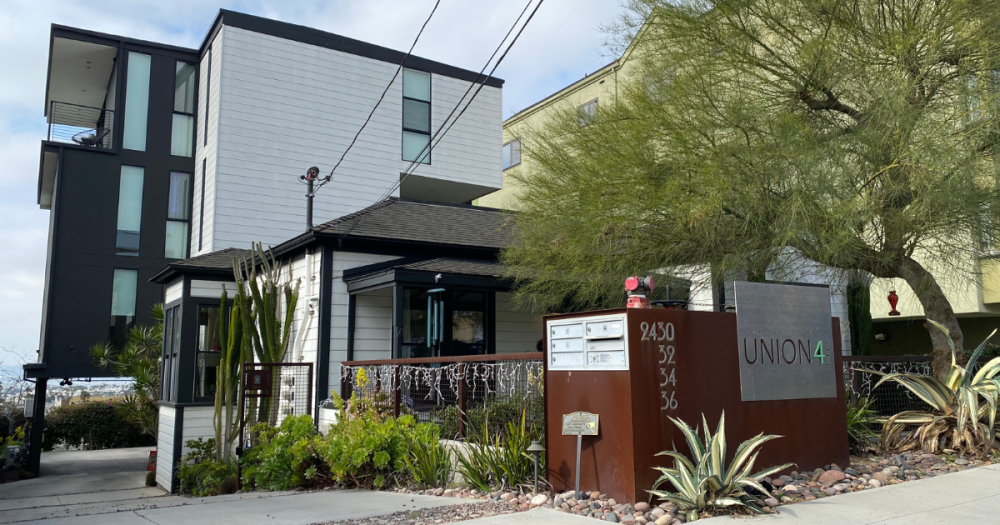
column 151, row 463
column 580, row 424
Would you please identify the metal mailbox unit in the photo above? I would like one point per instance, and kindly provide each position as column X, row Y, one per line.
column 636, row 368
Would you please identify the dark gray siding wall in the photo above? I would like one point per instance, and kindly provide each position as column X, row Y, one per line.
column 83, row 232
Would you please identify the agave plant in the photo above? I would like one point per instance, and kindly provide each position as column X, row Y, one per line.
column 963, row 408
column 704, row 481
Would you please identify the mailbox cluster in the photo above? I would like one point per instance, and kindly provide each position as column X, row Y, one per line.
column 588, row 343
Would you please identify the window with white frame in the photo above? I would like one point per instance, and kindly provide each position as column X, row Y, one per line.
column 511, row 154
column 587, row 112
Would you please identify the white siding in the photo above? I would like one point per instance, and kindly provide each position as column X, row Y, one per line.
column 173, row 292
column 373, row 325
column 197, row 424
column 212, row 289
column 165, row 447
column 208, row 124
column 288, row 105
column 338, row 323
column 305, row 325
column 517, row 331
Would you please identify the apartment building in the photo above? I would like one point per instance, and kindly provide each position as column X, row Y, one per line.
column 163, row 164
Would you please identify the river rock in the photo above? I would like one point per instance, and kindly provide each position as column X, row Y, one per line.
column 831, row 476
column 539, row 499
column 642, row 506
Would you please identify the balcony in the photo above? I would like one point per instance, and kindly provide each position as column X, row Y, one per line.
column 81, row 125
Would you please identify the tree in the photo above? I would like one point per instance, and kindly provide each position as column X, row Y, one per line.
column 137, row 357
column 14, row 389
column 759, row 134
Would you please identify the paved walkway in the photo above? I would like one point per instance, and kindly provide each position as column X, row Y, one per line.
column 971, row 496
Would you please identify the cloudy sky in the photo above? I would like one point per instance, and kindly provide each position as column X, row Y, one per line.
column 563, row 42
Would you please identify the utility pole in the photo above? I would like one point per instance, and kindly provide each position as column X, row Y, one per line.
column 310, row 178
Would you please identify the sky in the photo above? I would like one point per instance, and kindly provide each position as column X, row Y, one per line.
column 564, row 41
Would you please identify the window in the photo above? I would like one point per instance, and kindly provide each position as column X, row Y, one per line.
column 209, row 351
column 182, row 132
column 136, row 102
column 123, row 287
column 201, row 205
column 587, row 112
column 416, row 115
column 443, row 323
column 178, row 216
column 171, row 352
column 208, row 96
column 511, row 154
column 129, row 211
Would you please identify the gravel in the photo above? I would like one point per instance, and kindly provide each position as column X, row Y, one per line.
column 436, row 515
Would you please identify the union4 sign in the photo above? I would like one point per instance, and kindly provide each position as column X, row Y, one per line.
column 785, row 341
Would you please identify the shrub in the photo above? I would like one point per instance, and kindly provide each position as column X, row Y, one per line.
column 281, row 457
column 494, row 415
column 501, row 461
column 963, row 408
column 151, row 478
column 200, row 473
column 96, row 426
column 428, row 461
column 704, row 481
column 860, row 417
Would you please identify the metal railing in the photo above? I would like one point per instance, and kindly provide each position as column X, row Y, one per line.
column 461, row 394
column 81, row 125
column 889, row 398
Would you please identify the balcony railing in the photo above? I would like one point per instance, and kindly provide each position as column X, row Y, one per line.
column 81, row 125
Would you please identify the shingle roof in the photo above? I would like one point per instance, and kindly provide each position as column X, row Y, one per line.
column 424, row 222
column 215, row 262
column 457, row 266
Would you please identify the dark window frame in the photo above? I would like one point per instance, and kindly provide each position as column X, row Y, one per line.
column 489, row 318
column 193, row 114
column 171, row 352
column 187, row 221
column 118, row 208
column 224, row 318
column 430, row 117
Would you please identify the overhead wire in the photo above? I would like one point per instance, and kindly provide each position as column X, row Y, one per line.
column 380, row 99
column 446, row 125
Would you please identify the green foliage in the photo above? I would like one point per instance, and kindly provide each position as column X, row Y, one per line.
column 429, row 462
column 860, row 417
column 96, row 426
column 859, row 135
column 235, row 351
column 963, row 408
column 500, row 460
column 281, row 457
column 14, row 440
column 136, row 357
column 151, row 478
column 704, row 481
column 200, row 472
column 371, row 452
column 494, row 415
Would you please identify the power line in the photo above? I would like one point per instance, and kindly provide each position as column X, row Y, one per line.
column 382, row 97
column 443, row 130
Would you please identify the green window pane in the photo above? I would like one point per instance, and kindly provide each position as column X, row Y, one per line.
column 123, row 293
column 136, row 102
column 413, row 144
column 417, row 84
column 184, row 88
column 182, row 135
column 416, row 115
column 177, row 240
column 129, row 211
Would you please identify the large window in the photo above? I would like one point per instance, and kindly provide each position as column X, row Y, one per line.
column 511, row 154
column 416, row 115
column 123, row 288
column 178, row 216
column 136, row 102
column 209, row 351
column 182, row 132
column 442, row 322
column 129, row 211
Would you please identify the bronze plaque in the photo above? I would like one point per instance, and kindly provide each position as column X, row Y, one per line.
column 580, row 424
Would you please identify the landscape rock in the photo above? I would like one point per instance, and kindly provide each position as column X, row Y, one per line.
column 771, row 502
column 539, row 499
column 642, row 506
column 831, row 476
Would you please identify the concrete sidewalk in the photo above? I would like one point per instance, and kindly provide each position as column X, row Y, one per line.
column 971, row 496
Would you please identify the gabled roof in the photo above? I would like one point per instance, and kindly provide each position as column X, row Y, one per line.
column 424, row 222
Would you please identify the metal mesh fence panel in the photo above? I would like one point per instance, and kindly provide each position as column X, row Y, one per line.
column 272, row 392
column 466, row 399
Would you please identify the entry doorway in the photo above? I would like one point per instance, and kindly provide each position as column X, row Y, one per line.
column 438, row 322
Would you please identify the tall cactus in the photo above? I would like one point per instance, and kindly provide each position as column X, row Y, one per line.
column 265, row 319
column 235, row 352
